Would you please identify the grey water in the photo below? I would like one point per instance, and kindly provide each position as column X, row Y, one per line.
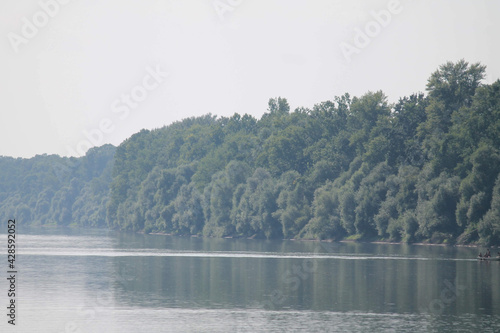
column 73, row 280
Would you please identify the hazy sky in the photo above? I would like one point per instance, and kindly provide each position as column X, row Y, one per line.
column 91, row 71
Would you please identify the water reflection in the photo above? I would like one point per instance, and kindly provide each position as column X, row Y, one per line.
column 436, row 280
column 110, row 280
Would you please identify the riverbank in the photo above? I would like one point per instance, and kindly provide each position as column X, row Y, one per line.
column 347, row 240
column 355, row 239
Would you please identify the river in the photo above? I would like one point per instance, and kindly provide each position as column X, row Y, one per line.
column 74, row 280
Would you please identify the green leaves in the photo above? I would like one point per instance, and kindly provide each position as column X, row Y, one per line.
column 422, row 169
column 48, row 189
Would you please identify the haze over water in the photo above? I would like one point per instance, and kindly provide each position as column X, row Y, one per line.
column 99, row 281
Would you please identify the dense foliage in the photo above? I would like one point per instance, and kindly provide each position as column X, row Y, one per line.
column 49, row 189
column 426, row 168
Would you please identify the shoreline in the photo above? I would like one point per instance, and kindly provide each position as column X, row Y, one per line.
column 292, row 239
column 334, row 241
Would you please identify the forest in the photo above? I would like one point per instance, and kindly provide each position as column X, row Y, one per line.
column 423, row 169
column 54, row 190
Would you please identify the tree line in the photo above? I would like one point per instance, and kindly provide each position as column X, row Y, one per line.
column 425, row 168
column 54, row 190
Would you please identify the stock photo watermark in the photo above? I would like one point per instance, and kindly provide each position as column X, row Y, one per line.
column 223, row 7
column 363, row 37
column 449, row 294
column 102, row 301
column 11, row 271
column 121, row 107
column 293, row 278
column 30, row 26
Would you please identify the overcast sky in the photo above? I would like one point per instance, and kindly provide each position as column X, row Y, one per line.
column 91, row 72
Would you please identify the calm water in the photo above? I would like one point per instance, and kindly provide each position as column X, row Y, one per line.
column 99, row 281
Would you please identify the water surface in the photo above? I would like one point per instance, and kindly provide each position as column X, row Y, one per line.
column 73, row 280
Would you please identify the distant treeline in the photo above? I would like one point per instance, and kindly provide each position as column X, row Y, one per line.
column 49, row 189
column 424, row 169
